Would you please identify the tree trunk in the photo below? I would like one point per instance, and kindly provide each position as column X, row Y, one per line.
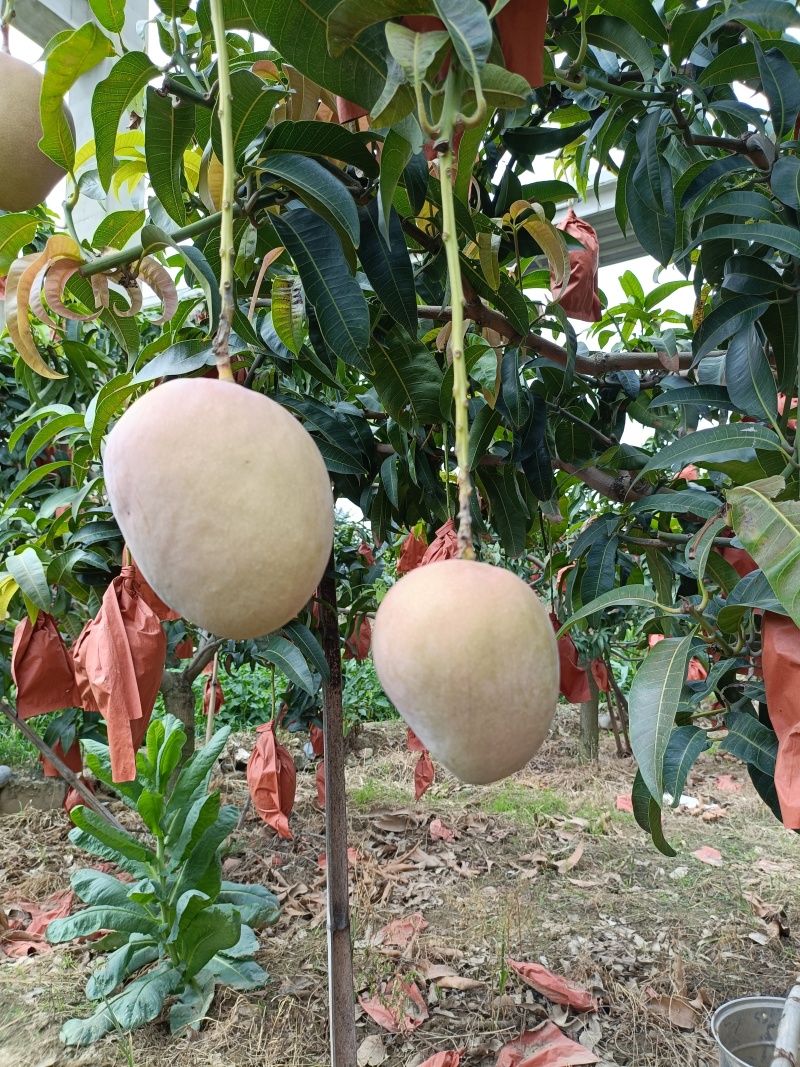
column 340, row 952
column 179, row 701
column 589, row 747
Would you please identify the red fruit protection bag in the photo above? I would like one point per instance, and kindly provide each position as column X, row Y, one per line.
column 574, row 682
column 357, row 644
column 443, row 546
column 119, row 661
column 272, row 780
column 412, row 553
column 780, row 660
column 580, row 300
column 42, row 668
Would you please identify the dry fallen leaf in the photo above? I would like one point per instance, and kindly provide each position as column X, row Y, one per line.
column 456, row 981
column 562, row 866
column 709, row 855
column 400, row 931
column 676, row 1010
column 371, row 1052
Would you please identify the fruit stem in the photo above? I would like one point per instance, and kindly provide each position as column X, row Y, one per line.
column 224, row 107
column 460, row 385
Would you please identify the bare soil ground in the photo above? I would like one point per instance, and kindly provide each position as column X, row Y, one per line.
column 541, row 868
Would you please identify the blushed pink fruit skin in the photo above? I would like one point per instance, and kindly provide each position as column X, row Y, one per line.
column 466, row 653
column 224, row 502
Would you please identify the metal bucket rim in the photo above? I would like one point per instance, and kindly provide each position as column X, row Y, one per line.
column 730, row 1006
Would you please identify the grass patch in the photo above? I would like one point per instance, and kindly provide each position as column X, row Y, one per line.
column 525, row 805
column 16, row 750
column 375, row 791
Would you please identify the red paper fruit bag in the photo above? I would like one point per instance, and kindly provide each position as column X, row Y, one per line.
column 272, row 780
column 119, row 661
column 412, row 553
column 580, row 300
column 42, row 668
column 574, row 681
column 780, row 661
column 357, row 644
column 443, row 546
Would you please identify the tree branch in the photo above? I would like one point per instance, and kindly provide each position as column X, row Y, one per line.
column 595, row 363
column 202, row 657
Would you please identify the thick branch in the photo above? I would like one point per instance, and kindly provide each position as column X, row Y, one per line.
column 202, row 658
column 595, row 363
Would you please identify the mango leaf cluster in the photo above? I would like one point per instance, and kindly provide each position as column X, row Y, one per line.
column 177, row 929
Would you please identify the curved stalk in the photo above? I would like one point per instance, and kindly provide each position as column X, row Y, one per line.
column 224, row 102
column 450, row 241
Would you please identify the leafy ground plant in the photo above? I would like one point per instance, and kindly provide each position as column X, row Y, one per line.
column 178, row 930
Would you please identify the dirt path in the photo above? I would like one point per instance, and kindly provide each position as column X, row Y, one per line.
column 542, row 868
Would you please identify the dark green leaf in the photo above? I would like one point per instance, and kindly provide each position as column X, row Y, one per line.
column 168, row 133
column 714, row 396
column 716, row 445
column 468, row 24
column 731, row 317
column 600, row 573
column 481, row 434
column 775, row 235
column 139, row 1003
column 408, row 380
column 685, row 30
column 251, row 108
column 189, row 1011
column 127, row 846
column 256, row 905
column 649, row 194
column 751, row 741
column 785, row 181
column 388, row 266
column 647, row 813
column 621, row 38
column 685, row 502
column 290, row 662
column 750, row 380
column 329, row 286
column 395, row 156
column 529, row 141
column 752, row 591
column 654, row 698
column 349, row 18
column 194, row 776
column 129, row 917
column 508, row 511
column 326, row 139
column 127, row 960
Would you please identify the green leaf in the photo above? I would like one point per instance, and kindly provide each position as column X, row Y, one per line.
column 716, row 396
column 244, row 975
column 407, row 378
column 101, row 889
column 28, row 572
column 204, row 853
column 326, row 139
column 649, row 194
column 191, row 1008
column 468, row 24
column 168, row 133
column 31, row 479
column 140, row 1003
column 72, row 57
column 717, row 444
column 121, row 964
column 121, row 842
column 331, row 289
column 781, row 88
column 349, row 18
column 514, row 395
column 739, row 63
column 194, row 776
column 728, row 318
column 256, row 905
column 118, row 228
column 749, row 376
column 752, row 591
column 685, row 31
column 647, row 813
column 212, row 930
column 251, row 109
column 178, row 360
column 318, row 188
column 751, row 741
column 109, row 13
column 288, row 312
column 775, row 235
column 642, row 16
column 127, row 78
column 621, row 38
column 481, row 434
column 601, row 567
column 247, row 945
column 128, row 917
column 635, row 595
column 654, row 698
column 299, row 33
column 508, row 299
column 395, row 156
column 17, row 229
column 308, row 644
column 770, row 531
column 529, row 141
column 684, row 746
column 508, row 511
column 289, row 661
column 189, row 826
column 387, row 265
